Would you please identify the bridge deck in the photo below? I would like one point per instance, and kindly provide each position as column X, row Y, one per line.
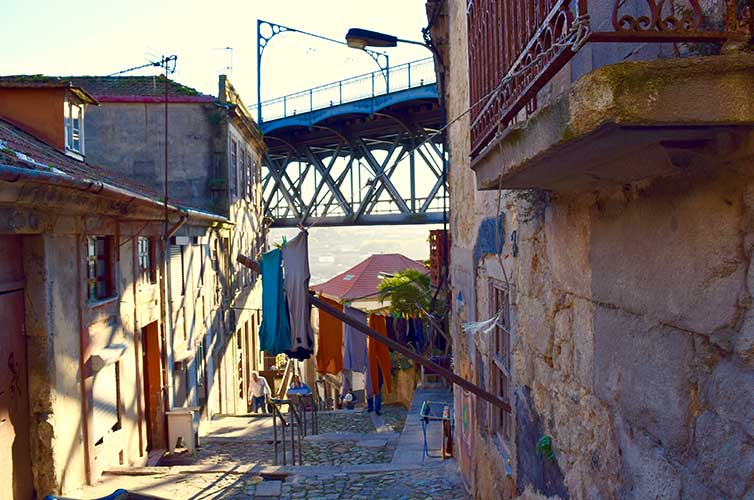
column 361, row 161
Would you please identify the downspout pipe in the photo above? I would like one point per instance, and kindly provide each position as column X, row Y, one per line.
column 10, row 173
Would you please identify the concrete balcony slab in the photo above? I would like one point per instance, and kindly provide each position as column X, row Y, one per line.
column 626, row 123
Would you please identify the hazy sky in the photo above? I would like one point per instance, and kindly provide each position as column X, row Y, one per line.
column 87, row 37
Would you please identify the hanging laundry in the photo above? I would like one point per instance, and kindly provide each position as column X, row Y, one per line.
column 330, row 342
column 275, row 332
column 355, row 343
column 418, row 334
column 379, row 356
column 401, row 330
column 411, row 335
column 296, row 266
column 390, row 325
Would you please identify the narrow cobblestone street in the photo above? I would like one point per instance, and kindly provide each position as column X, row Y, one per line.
column 355, row 455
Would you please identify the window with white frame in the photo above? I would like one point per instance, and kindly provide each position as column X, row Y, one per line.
column 99, row 268
column 74, row 127
column 146, row 258
column 499, row 379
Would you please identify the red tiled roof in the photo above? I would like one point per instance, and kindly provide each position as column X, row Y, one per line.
column 21, row 149
column 137, row 89
column 113, row 88
column 45, row 82
column 361, row 280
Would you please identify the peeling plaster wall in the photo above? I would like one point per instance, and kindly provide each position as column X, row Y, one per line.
column 131, row 136
column 632, row 326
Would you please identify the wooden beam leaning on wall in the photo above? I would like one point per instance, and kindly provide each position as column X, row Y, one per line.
column 396, row 346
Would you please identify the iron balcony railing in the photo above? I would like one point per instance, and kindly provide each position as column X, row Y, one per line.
column 517, row 46
column 369, row 85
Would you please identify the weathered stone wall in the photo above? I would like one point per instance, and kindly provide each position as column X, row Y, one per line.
column 631, row 322
column 131, row 138
column 468, row 209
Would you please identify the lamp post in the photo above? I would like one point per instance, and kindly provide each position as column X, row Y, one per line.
column 381, row 58
column 359, row 38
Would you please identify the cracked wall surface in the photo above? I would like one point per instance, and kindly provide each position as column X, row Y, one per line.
column 633, row 332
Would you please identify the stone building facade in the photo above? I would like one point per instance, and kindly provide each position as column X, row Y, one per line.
column 609, row 233
column 214, row 151
column 165, row 318
column 80, row 294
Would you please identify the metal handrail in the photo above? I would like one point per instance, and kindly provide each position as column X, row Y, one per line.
column 365, row 86
column 283, row 424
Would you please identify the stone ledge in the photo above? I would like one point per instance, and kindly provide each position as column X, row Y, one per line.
column 662, row 113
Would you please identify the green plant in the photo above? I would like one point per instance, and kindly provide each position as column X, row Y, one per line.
column 544, row 447
column 408, row 291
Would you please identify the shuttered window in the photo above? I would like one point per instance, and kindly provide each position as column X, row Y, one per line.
column 106, row 395
column 177, row 275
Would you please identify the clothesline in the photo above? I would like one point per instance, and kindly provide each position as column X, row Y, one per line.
column 400, row 348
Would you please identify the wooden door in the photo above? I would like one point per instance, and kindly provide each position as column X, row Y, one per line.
column 15, row 460
column 153, row 400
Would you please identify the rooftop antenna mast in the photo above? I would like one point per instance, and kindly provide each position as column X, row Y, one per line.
column 168, row 64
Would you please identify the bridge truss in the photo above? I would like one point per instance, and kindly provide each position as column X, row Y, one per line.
column 369, row 161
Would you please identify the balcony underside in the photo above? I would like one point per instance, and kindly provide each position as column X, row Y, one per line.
column 626, row 123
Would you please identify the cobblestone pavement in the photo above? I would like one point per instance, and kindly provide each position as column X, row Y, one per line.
column 350, row 459
column 434, row 482
column 348, row 452
column 360, row 421
column 248, row 440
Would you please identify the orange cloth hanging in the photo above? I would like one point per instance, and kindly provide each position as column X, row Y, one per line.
column 379, row 355
column 330, row 345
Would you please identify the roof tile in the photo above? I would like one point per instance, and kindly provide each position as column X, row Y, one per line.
column 361, row 280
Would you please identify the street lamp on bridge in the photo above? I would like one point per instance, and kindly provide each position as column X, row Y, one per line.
column 359, row 38
column 271, row 29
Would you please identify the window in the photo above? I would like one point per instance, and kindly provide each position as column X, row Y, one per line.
column 249, row 178
column 233, row 166
column 500, row 361
column 99, row 268
column 74, row 127
column 177, row 272
column 145, row 256
column 242, row 167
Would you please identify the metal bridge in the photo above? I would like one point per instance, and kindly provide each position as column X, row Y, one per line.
column 360, row 151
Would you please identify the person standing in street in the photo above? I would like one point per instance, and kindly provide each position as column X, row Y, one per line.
column 259, row 390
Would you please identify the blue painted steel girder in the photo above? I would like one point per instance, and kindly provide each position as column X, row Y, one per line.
column 366, row 106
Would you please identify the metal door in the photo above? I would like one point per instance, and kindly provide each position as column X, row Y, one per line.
column 15, row 461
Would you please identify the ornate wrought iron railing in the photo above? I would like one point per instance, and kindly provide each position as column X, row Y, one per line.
column 401, row 77
column 517, row 46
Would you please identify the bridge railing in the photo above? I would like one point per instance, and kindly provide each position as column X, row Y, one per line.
column 369, row 85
